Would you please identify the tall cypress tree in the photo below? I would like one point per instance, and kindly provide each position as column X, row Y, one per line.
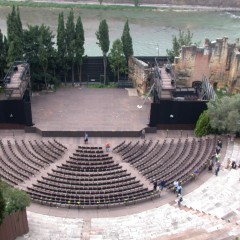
column 70, row 41
column 15, row 34
column 103, row 41
column 43, row 59
column 79, row 45
column 127, row 41
column 3, row 54
column 61, row 45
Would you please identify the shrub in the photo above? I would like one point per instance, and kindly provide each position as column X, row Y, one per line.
column 2, row 206
column 203, row 125
column 14, row 198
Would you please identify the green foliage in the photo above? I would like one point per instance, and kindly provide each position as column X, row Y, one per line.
column 80, row 39
column 3, row 55
column 15, row 199
column 182, row 39
column 15, row 35
column 43, row 59
column 127, row 41
column 103, row 41
column 224, row 114
column 224, row 91
column 117, row 59
column 68, row 5
column 39, row 50
column 103, row 36
column 70, row 41
column 99, row 85
column 2, row 206
column 136, row 3
column 203, row 125
column 61, row 45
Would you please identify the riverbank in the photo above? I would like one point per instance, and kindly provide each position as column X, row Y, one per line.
column 115, row 5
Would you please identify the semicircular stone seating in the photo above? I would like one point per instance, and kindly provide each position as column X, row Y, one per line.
column 91, row 178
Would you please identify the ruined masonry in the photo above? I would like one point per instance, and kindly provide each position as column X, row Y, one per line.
column 217, row 60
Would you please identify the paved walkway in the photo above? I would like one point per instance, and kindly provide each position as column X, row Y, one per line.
column 211, row 211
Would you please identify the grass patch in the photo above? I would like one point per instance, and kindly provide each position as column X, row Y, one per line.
column 72, row 5
column 100, row 85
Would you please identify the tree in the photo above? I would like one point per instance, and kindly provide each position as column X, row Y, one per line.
column 136, row 3
column 79, row 45
column 61, row 45
column 15, row 35
column 182, row 39
column 127, row 41
column 70, row 41
column 43, row 60
column 203, row 125
column 16, row 199
column 117, row 59
column 3, row 54
column 104, row 42
column 100, row 2
column 2, row 206
column 35, row 36
column 224, row 114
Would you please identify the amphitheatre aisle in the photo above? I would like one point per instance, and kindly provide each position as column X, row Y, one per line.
column 207, row 211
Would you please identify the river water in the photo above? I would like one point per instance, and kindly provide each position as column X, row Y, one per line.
column 151, row 31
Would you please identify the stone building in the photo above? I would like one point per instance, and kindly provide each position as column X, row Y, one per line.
column 217, row 60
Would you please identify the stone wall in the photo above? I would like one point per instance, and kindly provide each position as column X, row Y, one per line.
column 138, row 74
column 217, row 60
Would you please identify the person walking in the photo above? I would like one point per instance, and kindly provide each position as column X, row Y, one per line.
column 179, row 200
column 217, row 168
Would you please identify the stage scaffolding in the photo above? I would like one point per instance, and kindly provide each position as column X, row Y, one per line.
column 17, row 81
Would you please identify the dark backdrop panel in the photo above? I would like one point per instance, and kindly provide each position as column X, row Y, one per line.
column 15, row 112
column 176, row 113
column 92, row 67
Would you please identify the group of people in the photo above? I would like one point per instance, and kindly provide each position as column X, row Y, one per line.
column 214, row 162
column 177, row 189
column 161, row 185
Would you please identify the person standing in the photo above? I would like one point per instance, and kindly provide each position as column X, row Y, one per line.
column 162, row 185
column 175, row 185
column 86, row 138
column 179, row 189
column 143, row 134
column 155, row 185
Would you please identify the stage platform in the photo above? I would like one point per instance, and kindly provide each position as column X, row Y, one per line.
column 102, row 112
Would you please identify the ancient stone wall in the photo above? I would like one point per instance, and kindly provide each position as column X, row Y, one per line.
column 138, row 73
column 217, row 60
